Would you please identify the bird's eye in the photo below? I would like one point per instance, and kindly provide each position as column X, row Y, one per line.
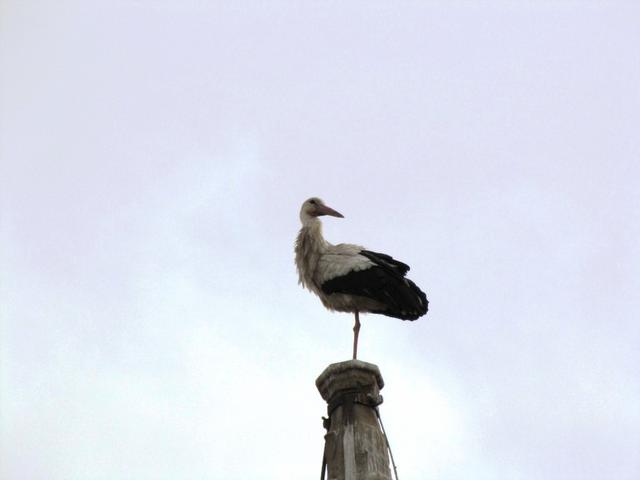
column 312, row 202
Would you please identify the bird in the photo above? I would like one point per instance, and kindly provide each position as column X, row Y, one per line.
column 350, row 278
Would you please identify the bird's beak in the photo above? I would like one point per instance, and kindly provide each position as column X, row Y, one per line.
column 324, row 210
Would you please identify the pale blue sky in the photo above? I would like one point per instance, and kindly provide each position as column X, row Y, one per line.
column 154, row 158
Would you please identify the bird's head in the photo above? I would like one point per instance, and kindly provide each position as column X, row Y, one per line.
column 315, row 207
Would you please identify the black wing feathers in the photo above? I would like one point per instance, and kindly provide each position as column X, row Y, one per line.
column 384, row 282
column 386, row 260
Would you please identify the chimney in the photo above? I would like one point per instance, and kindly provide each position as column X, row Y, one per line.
column 355, row 447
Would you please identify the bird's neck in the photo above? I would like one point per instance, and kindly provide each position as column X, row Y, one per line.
column 310, row 237
column 310, row 245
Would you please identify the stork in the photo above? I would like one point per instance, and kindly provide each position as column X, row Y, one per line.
column 349, row 278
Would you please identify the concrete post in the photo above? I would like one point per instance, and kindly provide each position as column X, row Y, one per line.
column 355, row 447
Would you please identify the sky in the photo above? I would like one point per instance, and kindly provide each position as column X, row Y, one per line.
column 153, row 159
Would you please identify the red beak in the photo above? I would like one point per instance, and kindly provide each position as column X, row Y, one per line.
column 324, row 210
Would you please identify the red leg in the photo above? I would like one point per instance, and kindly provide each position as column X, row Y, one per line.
column 356, row 331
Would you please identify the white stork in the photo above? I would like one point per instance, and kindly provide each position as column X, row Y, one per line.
column 349, row 278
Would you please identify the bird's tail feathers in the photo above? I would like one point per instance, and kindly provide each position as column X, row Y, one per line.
column 406, row 302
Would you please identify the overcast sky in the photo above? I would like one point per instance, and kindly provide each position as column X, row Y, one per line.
column 155, row 155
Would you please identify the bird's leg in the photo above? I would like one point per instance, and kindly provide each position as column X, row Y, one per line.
column 356, row 331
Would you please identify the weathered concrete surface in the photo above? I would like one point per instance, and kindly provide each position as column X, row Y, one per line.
column 355, row 448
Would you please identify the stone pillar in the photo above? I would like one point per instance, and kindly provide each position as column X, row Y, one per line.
column 355, row 448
